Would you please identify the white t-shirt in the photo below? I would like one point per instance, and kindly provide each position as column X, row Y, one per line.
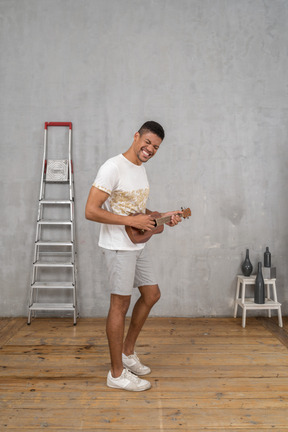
column 128, row 189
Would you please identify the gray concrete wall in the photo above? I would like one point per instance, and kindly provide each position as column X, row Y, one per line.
column 213, row 72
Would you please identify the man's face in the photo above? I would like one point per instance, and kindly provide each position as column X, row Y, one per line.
column 146, row 146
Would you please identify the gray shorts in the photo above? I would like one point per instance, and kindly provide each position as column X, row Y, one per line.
column 128, row 269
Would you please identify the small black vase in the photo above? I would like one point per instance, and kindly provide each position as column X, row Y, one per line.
column 247, row 267
column 259, row 293
column 267, row 258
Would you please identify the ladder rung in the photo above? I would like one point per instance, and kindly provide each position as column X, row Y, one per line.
column 56, row 181
column 53, row 264
column 53, row 243
column 52, row 306
column 54, row 222
column 57, row 285
column 44, row 201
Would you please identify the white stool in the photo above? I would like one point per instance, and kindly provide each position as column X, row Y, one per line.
column 248, row 303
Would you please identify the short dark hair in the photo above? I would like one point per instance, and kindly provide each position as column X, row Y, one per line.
column 154, row 127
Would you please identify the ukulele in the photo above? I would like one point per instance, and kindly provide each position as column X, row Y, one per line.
column 137, row 235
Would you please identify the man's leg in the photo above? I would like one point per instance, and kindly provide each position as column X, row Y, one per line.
column 118, row 377
column 150, row 294
column 115, row 325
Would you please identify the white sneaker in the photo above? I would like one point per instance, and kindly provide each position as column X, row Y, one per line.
column 127, row 381
column 133, row 364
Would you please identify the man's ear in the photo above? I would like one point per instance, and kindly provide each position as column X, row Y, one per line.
column 136, row 135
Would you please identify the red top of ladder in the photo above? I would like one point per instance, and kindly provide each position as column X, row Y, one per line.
column 69, row 124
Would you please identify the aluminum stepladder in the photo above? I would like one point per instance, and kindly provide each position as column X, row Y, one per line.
column 54, row 271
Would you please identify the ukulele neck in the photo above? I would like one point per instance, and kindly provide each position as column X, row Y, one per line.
column 162, row 220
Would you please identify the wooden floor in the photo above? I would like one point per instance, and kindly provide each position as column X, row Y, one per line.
column 207, row 374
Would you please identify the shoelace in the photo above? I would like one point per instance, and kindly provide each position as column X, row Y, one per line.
column 136, row 356
column 131, row 376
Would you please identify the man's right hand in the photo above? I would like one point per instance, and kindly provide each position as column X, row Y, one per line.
column 142, row 221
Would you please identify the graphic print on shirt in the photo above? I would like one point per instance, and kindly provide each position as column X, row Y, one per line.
column 125, row 203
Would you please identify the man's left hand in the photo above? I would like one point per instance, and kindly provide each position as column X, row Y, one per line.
column 175, row 217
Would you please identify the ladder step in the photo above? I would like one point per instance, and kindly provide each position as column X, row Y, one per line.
column 56, row 181
column 53, row 264
column 52, row 306
column 64, row 202
column 54, row 222
column 53, row 243
column 52, row 285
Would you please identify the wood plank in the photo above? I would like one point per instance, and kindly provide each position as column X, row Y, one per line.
column 149, row 430
column 215, row 344
column 128, row 419
column 238, row 429
column 21, row 366
column 144, row 339
column 265, row 371
column 167, row 403
column 200, row 385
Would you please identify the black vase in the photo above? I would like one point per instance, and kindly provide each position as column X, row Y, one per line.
column 247, row 267
column 259, row 293
column 267, row 258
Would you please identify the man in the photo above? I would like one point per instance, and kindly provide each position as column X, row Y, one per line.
column 117, row 199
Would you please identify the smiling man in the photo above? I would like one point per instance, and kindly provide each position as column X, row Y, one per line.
column 117, row 199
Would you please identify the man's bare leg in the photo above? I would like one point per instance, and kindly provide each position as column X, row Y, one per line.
column 115, row 325
column 150, row 294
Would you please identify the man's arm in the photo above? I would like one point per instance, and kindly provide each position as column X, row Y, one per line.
column 96, row 213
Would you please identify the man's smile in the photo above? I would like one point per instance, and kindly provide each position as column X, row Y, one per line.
column 146, row 152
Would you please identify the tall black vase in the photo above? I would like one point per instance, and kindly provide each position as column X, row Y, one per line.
column 259, row 293
column 247, row 267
